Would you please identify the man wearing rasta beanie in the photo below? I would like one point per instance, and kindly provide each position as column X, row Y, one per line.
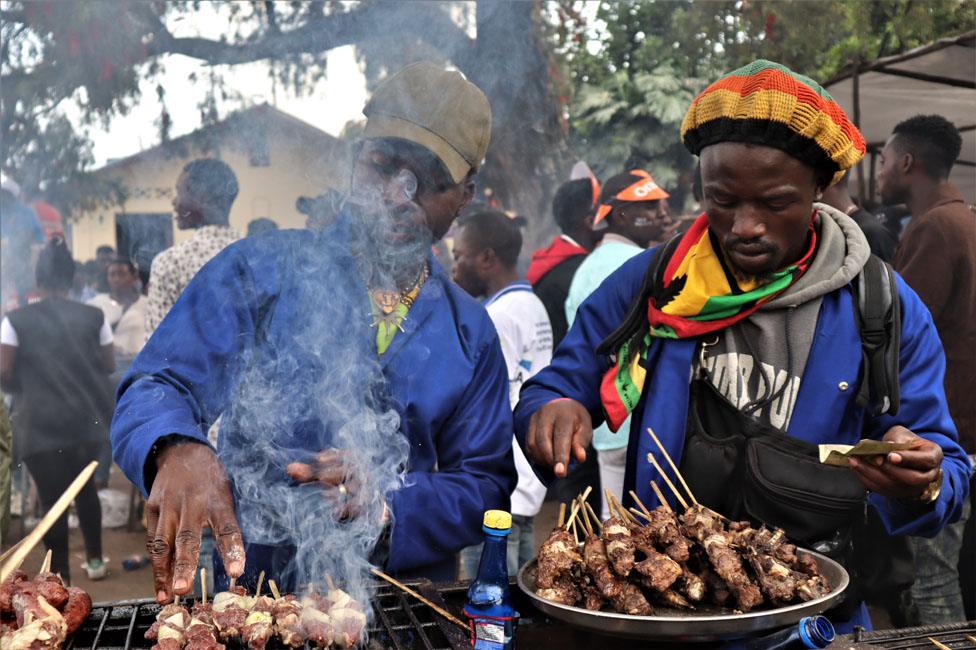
column 741, row 349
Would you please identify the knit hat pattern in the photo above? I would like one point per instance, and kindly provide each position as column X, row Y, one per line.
column 767, row 103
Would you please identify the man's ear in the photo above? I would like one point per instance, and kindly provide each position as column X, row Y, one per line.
column 487, row 258
column 467, row 193
column 906, row 162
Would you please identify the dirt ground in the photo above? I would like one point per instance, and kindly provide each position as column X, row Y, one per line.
column 117, row 543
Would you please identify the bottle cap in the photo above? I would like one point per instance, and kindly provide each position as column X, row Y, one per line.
column 498, row 520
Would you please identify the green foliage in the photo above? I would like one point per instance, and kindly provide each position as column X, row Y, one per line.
column 634, row 120
column 619, row 59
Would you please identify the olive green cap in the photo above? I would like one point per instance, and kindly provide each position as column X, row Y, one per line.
column 436, row 108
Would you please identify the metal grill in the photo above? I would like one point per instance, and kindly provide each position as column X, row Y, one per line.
column 400, row 622
column 953, row 635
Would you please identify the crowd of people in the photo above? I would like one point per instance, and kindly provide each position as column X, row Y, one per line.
column 758, row 323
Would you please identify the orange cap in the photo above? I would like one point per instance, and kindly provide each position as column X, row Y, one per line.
column 643, row 189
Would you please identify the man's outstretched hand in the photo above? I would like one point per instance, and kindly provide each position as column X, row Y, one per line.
column 190, row 491
column 557, row 429
column 331, row 470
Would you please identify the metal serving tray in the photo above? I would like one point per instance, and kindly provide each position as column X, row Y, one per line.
column 706, row 623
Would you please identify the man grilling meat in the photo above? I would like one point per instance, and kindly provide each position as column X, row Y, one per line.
column 424, row 351
column 737, row 342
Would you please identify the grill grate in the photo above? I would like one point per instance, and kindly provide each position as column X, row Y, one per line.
column 400, row 622
column 952, row 635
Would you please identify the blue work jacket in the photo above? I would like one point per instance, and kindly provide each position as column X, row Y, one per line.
column 825, row 410
column 444, row 374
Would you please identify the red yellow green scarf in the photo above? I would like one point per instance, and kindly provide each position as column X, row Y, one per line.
column 698, row 294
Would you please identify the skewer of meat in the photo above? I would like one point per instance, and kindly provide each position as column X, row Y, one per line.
column 558, row 556
column 259, row 624
column 625, row 597
column 665, row 526
column 39, row 625
column 230, row 610
column 617, row 538
column 348, row 617
column 169, row 629
column 9, row 588
column 287, row 614
column 316, row 623
column 45, row 583
column 201, row 632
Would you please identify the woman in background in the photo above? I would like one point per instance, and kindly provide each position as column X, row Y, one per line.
column 55, row 356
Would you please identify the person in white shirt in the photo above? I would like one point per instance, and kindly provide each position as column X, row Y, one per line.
column 486, row 251
column 124, row 307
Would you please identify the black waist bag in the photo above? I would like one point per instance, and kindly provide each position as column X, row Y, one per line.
column 747, row 470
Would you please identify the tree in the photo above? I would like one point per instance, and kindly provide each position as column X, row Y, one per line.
column 95, row 53
column 620, row 59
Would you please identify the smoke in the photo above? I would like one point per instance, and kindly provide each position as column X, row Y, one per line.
column 320, row 386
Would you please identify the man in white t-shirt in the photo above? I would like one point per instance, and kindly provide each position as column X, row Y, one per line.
column 486, row 251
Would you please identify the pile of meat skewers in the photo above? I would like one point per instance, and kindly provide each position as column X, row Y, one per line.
column 334, row 619
column 40, row 613
column 639, row 558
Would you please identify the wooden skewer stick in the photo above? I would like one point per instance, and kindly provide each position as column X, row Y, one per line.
column 653, row 461
column 203, row 584
column 47, row 521
column 971, row 638
column 572, row 515
column 257, row 592
column 609, row 499
column 640, row 504
column 624, row 513
column 562, row 515
column 329, row 581
column 586, row 492
column 583, row 521
column 176, row 600
column 443, row 612
column 10, row 551
column 274, row 589
column 599, row 525
column 667, row 457
column 940, row 646
column 575, row 534
column 233, row 582
column 641, row 514
column 660, row 497
column 46, row 564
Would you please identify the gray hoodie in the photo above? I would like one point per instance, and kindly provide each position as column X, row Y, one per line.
column 770, row 347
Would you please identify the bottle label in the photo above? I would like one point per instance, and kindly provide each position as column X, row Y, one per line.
column 489, row 633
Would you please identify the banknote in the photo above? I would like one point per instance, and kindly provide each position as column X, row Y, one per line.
column 838, row 454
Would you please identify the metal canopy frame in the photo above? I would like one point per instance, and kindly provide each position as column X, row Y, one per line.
column 936, row 78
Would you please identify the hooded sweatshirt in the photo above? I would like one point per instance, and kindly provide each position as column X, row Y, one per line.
column 765, row 354
column 546, row 259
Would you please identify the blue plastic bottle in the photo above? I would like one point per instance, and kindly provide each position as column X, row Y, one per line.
column 489, row 608
column 811, row 632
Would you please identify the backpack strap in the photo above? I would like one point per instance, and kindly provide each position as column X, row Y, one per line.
column 636, row 319
column 877, row 308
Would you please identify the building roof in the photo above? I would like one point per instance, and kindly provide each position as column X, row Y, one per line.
column 248, row 129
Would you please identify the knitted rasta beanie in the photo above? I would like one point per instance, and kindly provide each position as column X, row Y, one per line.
column 769, row 104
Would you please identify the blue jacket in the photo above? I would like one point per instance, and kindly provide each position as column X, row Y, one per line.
column 445, row 376
column 825, row 410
